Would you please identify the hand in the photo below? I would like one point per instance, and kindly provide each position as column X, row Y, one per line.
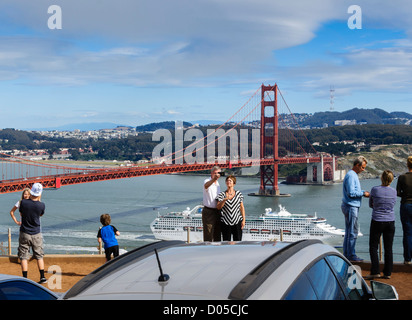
column 366, row 194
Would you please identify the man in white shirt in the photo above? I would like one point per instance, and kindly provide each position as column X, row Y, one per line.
column 210, row 214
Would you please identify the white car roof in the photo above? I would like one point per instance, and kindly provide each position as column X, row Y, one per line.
column 197, row 271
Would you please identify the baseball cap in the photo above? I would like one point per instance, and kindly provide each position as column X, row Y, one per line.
column 36, row 189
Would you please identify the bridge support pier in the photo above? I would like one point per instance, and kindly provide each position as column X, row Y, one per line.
column 315, row 172
column 324, row 172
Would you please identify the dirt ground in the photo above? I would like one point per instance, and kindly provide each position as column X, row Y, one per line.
column 75, row 267
column 401, row 278
column 72, row 267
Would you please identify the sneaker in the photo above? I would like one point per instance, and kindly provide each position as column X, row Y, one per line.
column 386, row 277
column 407, row 262
column 356, row 259
column 372, row 276
column 43, row 280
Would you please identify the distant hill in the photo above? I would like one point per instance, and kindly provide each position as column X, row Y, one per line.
column 369, row 116
column 169, row 125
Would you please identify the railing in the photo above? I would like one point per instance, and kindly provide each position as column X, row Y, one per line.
column 8, row 250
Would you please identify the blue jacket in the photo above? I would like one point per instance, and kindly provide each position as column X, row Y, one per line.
column 352, row 192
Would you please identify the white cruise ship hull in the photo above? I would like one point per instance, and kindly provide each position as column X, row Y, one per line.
column 189, row 227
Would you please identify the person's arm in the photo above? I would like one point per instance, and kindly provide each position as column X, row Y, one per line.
column 13, row 217
column 220, row 204
column 399, row 184
column 116, row 232
column 371, row 200
column 210, row 182
column 221, row 199
column 99, row 236
column 242, row 211
column 354, row 190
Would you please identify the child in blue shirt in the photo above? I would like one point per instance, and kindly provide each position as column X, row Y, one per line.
column 108, row 234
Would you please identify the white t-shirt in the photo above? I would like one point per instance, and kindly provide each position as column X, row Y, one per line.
column 210, row 194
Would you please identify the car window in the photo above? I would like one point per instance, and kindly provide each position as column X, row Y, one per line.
column 301, row 290
column 19, row 290
column 324, row 282
column 351, row 281
column 318, row 282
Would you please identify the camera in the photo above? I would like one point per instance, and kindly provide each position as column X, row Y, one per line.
column 222, row 174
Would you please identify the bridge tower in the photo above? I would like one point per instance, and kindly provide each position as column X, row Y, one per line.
column 269, row 141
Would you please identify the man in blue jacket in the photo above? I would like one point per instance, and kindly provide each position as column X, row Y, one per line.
column 351, row 202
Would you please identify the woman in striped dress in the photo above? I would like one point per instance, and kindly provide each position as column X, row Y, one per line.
column 230, row 202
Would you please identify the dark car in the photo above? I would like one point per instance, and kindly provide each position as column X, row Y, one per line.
column 19, row 288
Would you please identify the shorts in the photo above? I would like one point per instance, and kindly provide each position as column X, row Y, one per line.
column 35, row 241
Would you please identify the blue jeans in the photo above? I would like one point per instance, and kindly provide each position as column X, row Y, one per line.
column 406, row 219
column 351, row 230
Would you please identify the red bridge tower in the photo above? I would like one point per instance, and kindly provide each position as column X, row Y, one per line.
column 269, row 141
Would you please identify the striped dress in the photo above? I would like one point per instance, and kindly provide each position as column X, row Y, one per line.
column 231, row 214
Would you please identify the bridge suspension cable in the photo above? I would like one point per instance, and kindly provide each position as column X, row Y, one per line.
column 19, row 172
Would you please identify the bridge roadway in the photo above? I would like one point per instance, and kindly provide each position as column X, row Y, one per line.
column 56, row 181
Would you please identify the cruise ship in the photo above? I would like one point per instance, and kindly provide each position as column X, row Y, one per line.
column 269, row 226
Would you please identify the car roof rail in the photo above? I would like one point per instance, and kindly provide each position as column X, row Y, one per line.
column 259, row 274
column 118, row 263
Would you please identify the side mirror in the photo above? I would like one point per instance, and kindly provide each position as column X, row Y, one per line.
column 383, row 291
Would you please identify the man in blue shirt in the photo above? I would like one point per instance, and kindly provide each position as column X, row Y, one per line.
column 351, row 202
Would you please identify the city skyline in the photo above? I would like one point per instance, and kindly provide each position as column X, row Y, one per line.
column 137, row 62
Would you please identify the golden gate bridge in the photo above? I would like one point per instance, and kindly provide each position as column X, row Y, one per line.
column 282, row 141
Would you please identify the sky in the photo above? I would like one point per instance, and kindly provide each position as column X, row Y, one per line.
column 133, row 62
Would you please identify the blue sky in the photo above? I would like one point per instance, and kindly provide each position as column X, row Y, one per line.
column 134, row 62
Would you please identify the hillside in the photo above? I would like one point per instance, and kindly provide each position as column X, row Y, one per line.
column 369, row 116
column 392, row 157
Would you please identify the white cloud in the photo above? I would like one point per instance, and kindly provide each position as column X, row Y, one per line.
column 199, row 44
column 369, row 70
column 168, row 42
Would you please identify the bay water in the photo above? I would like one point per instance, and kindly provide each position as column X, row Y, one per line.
column 72, row 217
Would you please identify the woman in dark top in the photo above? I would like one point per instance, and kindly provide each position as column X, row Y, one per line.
column 382, row 200
column 230, row 202
column 404, row 190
